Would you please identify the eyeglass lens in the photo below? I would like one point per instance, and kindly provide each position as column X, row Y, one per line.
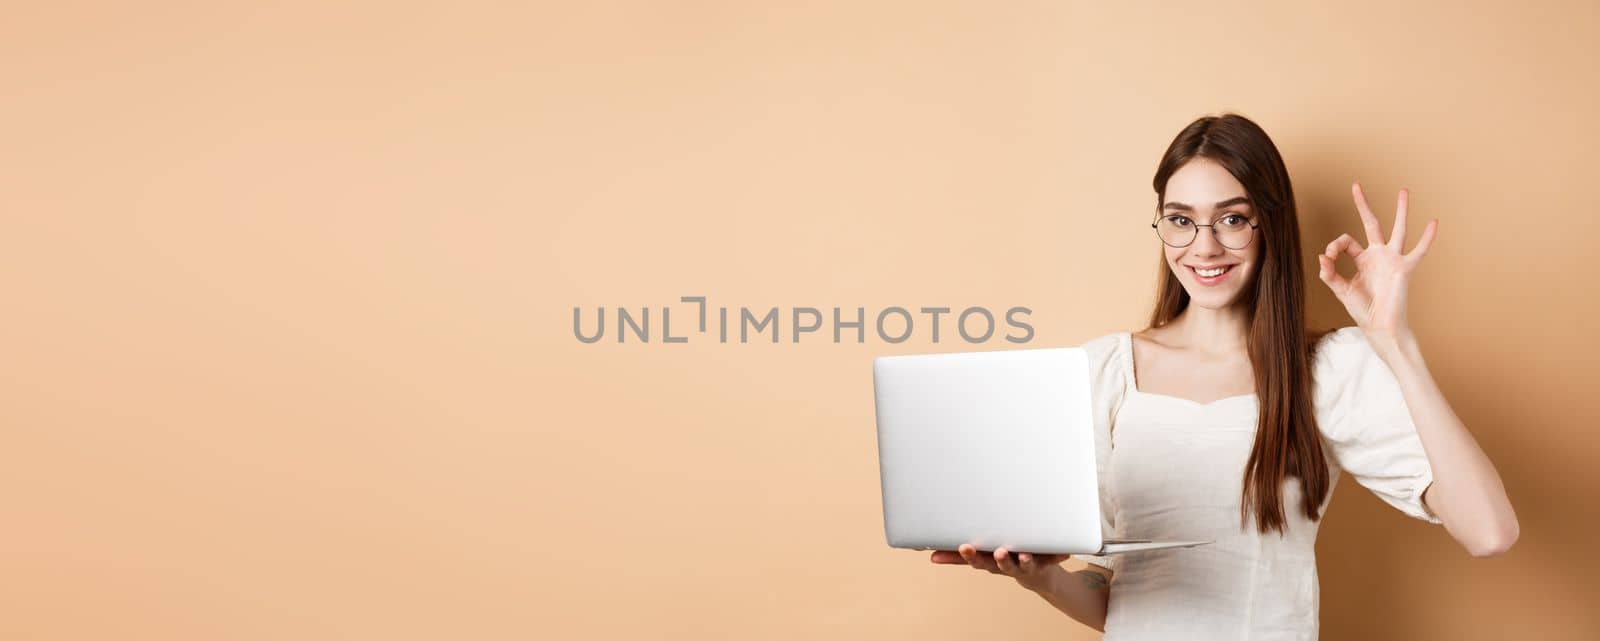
column 1233, row 231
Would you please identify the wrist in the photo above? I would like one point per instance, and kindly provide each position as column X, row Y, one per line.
column 1045, row 580
column 1397, row 347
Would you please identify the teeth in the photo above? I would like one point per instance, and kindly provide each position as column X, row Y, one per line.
column 1208, row 273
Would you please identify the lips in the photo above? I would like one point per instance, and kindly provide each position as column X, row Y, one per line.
column 1203, row 280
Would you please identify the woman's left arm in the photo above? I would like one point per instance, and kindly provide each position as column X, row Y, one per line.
column 1466, row 494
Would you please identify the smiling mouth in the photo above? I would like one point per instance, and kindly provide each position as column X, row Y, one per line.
column 1213, row 274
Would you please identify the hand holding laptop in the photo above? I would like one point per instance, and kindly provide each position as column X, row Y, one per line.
column 1030, row 570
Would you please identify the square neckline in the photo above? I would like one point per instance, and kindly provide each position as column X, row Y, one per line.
column 1133, row 381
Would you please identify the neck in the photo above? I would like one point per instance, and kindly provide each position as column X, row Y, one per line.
column 1212, row 330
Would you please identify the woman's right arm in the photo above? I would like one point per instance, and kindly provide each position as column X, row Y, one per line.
column 1082, row 595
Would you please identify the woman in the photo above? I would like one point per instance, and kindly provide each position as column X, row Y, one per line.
column 1240, row 419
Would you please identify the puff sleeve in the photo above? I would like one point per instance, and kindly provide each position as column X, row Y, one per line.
column 1366, row 426
column 1107, row 387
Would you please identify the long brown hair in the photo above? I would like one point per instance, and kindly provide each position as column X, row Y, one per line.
column 1287, row 442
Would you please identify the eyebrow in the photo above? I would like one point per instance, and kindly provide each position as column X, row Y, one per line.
column 1236, row 200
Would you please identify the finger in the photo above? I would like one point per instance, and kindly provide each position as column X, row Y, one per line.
column 976, row 560
column 1369, row 221
column 949, row 557
column 1330, row 275
column 1004, row 561
column 1424, row 243
column 1035, row 562
column 1345, row 243
column 1398, row 239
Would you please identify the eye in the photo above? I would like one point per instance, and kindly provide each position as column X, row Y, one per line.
column 1235, row 220
column 1178, row 221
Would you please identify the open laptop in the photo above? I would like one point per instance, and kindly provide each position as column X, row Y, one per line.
column 992, row 448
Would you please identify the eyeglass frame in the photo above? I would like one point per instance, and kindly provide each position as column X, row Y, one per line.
column 1254, row 224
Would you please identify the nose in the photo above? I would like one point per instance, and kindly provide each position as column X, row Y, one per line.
column 1206, row 243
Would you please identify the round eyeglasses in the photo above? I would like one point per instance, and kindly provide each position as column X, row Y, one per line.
column 1233, row 231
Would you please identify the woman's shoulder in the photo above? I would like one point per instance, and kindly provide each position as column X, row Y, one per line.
column 1349, row 372
column 1340, row 348
column 1341, row 336
column 1110, row 378
column 1109, row 358
column 1104, row 343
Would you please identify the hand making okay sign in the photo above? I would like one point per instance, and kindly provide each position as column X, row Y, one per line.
column 1376, row 295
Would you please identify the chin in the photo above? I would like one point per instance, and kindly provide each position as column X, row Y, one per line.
column 1212, row 301
column 1213, row 298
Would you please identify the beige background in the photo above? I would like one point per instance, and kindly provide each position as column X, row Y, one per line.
column 288, row 294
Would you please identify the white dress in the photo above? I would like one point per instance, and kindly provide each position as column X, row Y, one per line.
column 1171, row 468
